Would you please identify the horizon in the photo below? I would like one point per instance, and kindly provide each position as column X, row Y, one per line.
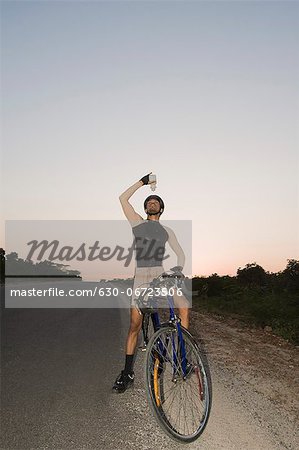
column 119, row 277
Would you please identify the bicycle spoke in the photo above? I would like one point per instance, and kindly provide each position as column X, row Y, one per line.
column 181, row 408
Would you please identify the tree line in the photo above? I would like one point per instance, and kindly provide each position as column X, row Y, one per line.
column 251, row 277
column 12, row 265
column 260, row 298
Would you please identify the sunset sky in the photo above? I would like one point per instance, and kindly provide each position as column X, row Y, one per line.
column 203, row 93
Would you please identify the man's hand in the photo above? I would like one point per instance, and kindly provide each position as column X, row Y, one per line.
column 145, row 179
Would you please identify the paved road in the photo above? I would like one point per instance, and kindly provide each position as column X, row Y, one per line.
column 58, row 367
column 57, row 374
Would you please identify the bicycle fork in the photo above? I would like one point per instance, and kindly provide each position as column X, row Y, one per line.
column 179, row 353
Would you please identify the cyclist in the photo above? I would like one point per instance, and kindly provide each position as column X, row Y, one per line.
column 150, row 238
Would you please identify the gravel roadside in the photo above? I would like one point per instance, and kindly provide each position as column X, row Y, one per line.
column 258, row 371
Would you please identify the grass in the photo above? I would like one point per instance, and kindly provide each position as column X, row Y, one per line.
column 279, row 311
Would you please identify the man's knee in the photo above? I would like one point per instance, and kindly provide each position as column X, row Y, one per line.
column 136, row 323
column 181, row 302
column 135, row 327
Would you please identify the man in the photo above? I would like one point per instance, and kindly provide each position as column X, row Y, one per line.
column 150, row 238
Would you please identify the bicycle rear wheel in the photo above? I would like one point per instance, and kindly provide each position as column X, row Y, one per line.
column 181, row 404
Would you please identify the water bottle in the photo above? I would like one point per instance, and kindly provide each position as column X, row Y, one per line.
column 151, row 179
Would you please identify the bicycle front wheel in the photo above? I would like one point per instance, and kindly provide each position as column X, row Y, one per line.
column 179, row 398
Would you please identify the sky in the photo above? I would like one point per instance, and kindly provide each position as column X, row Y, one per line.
column 205, row 94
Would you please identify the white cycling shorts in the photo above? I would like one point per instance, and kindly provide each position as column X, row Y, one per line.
column 143, row 276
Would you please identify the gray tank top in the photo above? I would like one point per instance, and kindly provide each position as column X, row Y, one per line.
column 149, row 243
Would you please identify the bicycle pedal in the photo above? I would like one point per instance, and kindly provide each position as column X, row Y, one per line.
column 142, row 347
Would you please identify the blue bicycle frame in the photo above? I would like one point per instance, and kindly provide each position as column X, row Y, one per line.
column 181, row 350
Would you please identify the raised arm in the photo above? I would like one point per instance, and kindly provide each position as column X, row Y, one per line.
column 130, row 213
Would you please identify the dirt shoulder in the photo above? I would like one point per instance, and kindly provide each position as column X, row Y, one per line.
column 261, row 369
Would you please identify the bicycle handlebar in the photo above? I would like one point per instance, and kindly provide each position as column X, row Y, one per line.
column 172, row 275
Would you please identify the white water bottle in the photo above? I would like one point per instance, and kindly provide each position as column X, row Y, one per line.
column 153, row 181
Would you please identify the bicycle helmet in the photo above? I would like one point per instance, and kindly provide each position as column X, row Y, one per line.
column 155, row 197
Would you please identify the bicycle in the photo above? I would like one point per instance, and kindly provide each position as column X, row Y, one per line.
column 177, row 375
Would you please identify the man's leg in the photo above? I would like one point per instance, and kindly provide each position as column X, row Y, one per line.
column 135, row 327
column 184, row 315
column 126, row 377
column 182, row 304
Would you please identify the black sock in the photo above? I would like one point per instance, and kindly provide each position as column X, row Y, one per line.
column 129, row 364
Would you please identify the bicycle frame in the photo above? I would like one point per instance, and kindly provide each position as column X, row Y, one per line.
column 178, row 353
